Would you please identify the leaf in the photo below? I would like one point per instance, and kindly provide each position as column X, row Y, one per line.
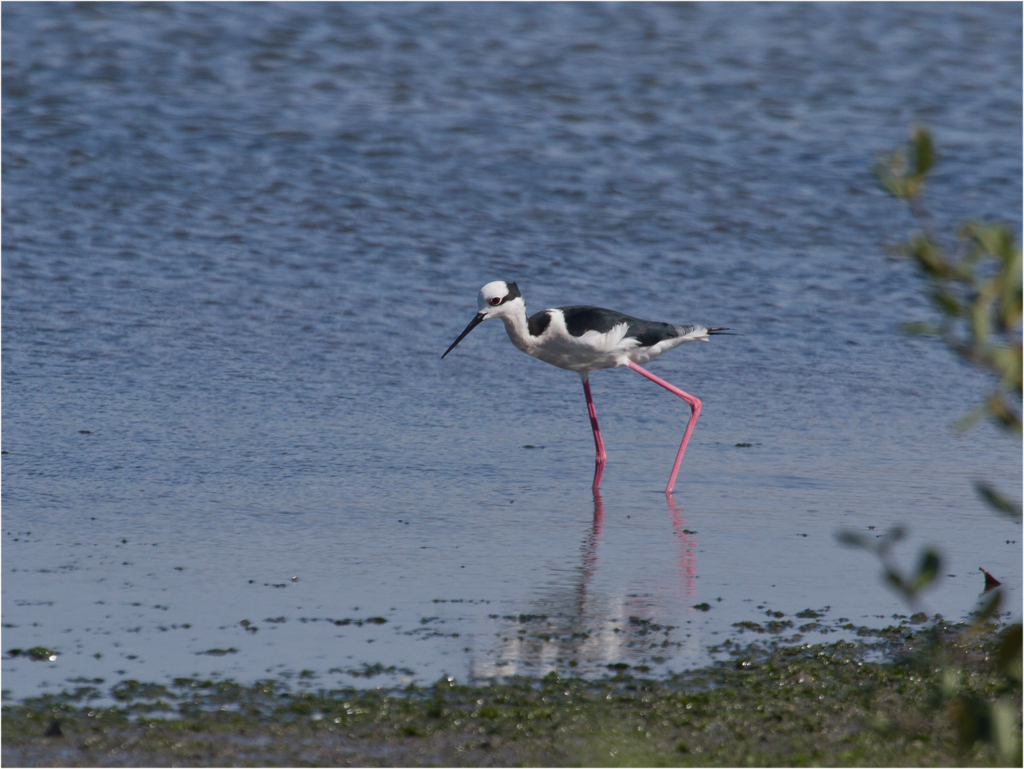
column 1010, row 299
column 919, row 328
column 929, row 257
column 981, row 317
column 946, row 302
column 1005, row 733
column 1001, row 411
column 893, row 578
column 923, row 151
column 891, row 171
column 1007, row 362
column 853, row 539
column 1009, row 652
column 989, row 605
column 969, row 419
column 992, row 239
column 950, row 682
column 1003, row 504
column 971, row 716
column 927, row 569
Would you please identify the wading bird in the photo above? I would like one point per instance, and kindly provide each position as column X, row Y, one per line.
column 584, row 339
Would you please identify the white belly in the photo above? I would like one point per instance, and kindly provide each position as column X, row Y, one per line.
column 577, row 353
column 594, row 350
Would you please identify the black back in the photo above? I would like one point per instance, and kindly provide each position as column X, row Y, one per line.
column 581, row 319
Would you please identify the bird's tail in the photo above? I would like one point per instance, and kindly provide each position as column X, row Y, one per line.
column 698, row 333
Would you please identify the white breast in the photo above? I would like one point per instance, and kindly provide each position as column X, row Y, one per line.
column 593, row 350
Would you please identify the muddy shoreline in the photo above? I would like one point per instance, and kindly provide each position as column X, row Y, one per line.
column 873, row 702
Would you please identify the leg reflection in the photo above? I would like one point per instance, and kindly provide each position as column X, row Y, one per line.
column 590, row 547
column 687, row 559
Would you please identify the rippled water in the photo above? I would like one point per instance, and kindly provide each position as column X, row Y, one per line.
column 236, row 239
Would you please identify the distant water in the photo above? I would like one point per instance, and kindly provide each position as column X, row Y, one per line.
column 237, row 237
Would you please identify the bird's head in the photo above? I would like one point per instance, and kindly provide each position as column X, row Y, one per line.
column 496, row 300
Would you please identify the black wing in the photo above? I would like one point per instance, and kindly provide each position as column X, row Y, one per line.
column 538, row 323
column 580, row 320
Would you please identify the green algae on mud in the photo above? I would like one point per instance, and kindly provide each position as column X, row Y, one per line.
column 871, row 702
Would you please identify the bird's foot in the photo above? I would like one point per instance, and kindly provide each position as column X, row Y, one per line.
column 598, row 470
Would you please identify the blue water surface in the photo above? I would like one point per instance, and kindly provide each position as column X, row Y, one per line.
column 237, row 238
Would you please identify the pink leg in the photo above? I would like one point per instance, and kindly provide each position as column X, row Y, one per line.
column 601, row 456
column 694, row 413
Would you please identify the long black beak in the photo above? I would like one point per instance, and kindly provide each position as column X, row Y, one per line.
column 472, row 324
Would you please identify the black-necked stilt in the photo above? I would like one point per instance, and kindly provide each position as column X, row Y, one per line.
column 584, row 339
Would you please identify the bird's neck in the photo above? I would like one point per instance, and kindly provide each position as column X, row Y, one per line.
column 515, row 325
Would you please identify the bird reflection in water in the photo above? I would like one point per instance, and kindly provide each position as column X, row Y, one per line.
column 640, row 622
column 687, row 559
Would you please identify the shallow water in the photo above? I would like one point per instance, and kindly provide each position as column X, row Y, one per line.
column 236, row 239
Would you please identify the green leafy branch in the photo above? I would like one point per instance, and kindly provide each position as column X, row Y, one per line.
column 977, row 291
column 976, row 718
column 976, row 287
column 910, row 586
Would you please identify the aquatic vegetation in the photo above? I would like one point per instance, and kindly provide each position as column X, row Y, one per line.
column 36, row 653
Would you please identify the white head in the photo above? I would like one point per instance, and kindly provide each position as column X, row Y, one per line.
column 497, row 299
column 494, row 298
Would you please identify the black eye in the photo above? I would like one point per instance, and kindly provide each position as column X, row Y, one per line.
column 495, row 300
